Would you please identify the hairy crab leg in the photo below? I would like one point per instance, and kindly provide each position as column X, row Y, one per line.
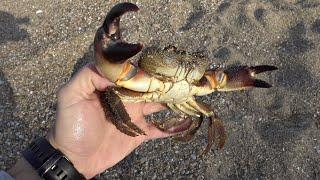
column 183, row 123
column 175, row 124
column 216, row 132
column 189, row 134
column 113, row 106
column 116, row 117
column 196, row 123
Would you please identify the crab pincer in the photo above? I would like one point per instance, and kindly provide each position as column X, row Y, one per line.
column 243, row 77
column 238, row 77
column 110, row 51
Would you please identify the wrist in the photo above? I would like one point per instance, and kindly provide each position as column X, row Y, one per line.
column 23, row 170
column 73, row 158
column 48, row 162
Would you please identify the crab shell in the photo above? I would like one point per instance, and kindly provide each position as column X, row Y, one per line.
column 165, row 64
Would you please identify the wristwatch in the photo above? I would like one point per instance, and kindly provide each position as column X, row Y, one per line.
column 49, row 162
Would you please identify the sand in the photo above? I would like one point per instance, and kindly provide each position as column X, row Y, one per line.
column 272, row 133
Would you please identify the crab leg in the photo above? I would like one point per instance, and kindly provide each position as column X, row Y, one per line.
column 216, row 133
column 174, row 124
column 184, row 107
column 201, row 107
column 189, row 134
column 127, row 95
column 177, row 124
column 113, row 106
column 175, row 109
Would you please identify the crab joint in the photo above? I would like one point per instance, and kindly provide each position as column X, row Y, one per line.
column 217, row 79
column 138, row 80
column 128, row 72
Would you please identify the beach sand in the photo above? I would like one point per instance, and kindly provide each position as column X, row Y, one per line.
column 272, row 133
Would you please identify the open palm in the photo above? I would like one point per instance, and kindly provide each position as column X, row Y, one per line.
column 83, row 132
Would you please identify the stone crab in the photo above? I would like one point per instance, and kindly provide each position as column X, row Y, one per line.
column 166, row 76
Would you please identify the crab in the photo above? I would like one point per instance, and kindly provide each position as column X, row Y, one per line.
column 165, row 76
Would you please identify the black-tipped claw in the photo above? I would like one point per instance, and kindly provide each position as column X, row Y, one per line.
column 241, row 77
column 121, row 51
column 260, row 84
column 111, row 23
column 113, row 48
column 262, row 68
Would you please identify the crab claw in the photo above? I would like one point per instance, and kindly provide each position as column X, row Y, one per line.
column 238, row 78
column 110, row 51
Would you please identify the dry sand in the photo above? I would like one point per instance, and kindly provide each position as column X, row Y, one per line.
column 273, row 133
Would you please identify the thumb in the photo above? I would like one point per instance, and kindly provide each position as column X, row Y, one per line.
column 155, row 133
column 87, row 81
column 150, row 108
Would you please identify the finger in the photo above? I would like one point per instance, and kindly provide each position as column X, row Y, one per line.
column 88, row 80
column 97, row 81
column 154, row 133
column 150, row 108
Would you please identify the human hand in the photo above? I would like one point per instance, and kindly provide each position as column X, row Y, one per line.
column 83, row 132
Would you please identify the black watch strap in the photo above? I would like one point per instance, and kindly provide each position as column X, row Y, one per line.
column 49, row 162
